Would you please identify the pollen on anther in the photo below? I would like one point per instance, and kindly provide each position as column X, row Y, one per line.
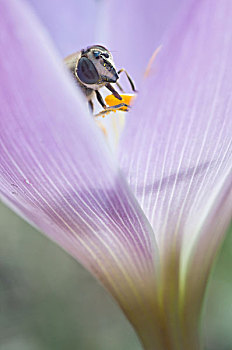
column 111, row 100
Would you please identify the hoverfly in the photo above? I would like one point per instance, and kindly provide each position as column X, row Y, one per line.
column 92, row 69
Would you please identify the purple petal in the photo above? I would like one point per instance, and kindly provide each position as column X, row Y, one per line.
column 177, row 149
column 203, row 255
column 56, row 172
column 71, row 23
column 177, row 155
column 135, row 30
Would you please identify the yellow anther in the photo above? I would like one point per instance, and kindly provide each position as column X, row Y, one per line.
column 111, row 100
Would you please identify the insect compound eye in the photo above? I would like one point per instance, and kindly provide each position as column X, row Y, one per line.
column 96, row 54
column 86, row 71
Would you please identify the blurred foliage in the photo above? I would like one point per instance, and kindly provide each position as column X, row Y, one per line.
column 217, row 320
column 48, row 301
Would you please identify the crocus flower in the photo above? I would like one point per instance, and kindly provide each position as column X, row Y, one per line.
column 149, row 223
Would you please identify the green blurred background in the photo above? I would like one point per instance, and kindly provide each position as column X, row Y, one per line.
column 48, row 301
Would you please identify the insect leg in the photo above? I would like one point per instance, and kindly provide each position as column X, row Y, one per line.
column 113, row 109
column 129, row 78
column 117, row 107
column 114, row 92
column 91, row 106
column 100, row 99
column 119, row 86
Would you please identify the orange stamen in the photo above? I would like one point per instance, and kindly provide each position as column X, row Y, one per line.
column 152, row 59
column 126, row 98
